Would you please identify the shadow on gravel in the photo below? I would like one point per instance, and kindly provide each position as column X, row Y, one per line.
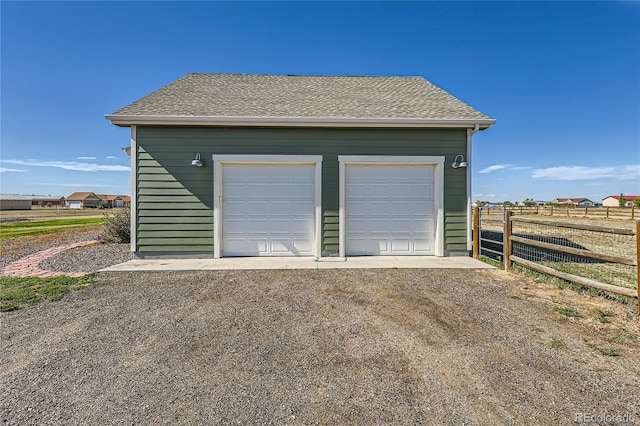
column 493, row 240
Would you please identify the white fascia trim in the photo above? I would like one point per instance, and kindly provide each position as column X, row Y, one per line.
column 134, row 192
column 128, row 120
column 470, row 133
column 437, row 161
column 220, row 160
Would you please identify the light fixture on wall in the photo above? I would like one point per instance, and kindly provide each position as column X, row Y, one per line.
column 459, row 163
column 197, row 161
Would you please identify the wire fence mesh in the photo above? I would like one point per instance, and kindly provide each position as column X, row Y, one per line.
column 607, row 244
column 569, row 245
column 492, row 236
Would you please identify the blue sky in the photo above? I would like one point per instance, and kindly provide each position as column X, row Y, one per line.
column 562, row 79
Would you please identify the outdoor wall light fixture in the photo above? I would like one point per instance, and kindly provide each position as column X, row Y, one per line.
column 197, row 161
column 459, row 163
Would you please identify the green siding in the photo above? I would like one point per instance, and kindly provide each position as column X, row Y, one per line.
column 177, row 198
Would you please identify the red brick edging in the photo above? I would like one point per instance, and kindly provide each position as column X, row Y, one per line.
column 29, row 266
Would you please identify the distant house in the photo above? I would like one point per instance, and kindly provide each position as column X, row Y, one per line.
column 532, row 202
column 80, row 200
column 15, row 202
column 54, row 200
column 109, row 200
column 115, row 201
column 574, row 202
column 614, row 200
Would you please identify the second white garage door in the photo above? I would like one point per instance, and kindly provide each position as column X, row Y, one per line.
column 389, row 210
column 268, row 210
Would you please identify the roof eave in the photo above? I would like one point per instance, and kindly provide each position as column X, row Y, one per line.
column 129, row 120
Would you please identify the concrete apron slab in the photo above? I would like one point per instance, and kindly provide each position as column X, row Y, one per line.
column 248, row 263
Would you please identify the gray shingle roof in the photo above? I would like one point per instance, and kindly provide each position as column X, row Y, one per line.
column 281, row 96
column 14, row 197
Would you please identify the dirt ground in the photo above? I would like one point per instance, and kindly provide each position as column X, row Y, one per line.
column 320, row 347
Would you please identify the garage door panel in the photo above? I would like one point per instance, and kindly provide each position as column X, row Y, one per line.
column 379, row 245
column 358, row 191
column 400, row 246
column 302, row 191
column 400, row 208
column 303, row 206
column 253, row 227
column 235, row 226
column 245, row 247
column 257, row 211
column 389, row 209
column 423, row 192
column 282, row 246
column 358, row 208
column 279, row 191
column 369, row 246
column 423, row 205
column 401, row 226
column 357, row 226
column 377, row 225
column 404, row 191
column 257, row 191
column 422, row 245
column 288, row 246
column 235, row 208
column 377, row 207
column 277, row 207
column 301, row 226
column 268, row 209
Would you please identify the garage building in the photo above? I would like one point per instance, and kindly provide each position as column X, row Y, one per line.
column 271, row 165
column 15, row 202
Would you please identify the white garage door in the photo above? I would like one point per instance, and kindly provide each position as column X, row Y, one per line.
column 389, row 210
column 75, row 204
column 268, row 210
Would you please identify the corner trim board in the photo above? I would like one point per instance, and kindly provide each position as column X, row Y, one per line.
column 134, row 192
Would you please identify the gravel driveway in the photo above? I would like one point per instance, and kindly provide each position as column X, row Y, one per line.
column 317, row 347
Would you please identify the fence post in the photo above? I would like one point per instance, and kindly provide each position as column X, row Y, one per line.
column 551, row 211
column 607, row 212
column 506, row 239
column 476, row 232
column 638, row 259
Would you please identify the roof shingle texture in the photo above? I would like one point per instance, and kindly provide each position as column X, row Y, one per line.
column 80, row 196
column 280, row 96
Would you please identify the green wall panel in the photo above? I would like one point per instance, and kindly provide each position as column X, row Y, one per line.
column 174, row 196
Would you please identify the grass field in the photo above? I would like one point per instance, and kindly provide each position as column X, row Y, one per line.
column 17, row 293
column 9, row 216
column 39, row 227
